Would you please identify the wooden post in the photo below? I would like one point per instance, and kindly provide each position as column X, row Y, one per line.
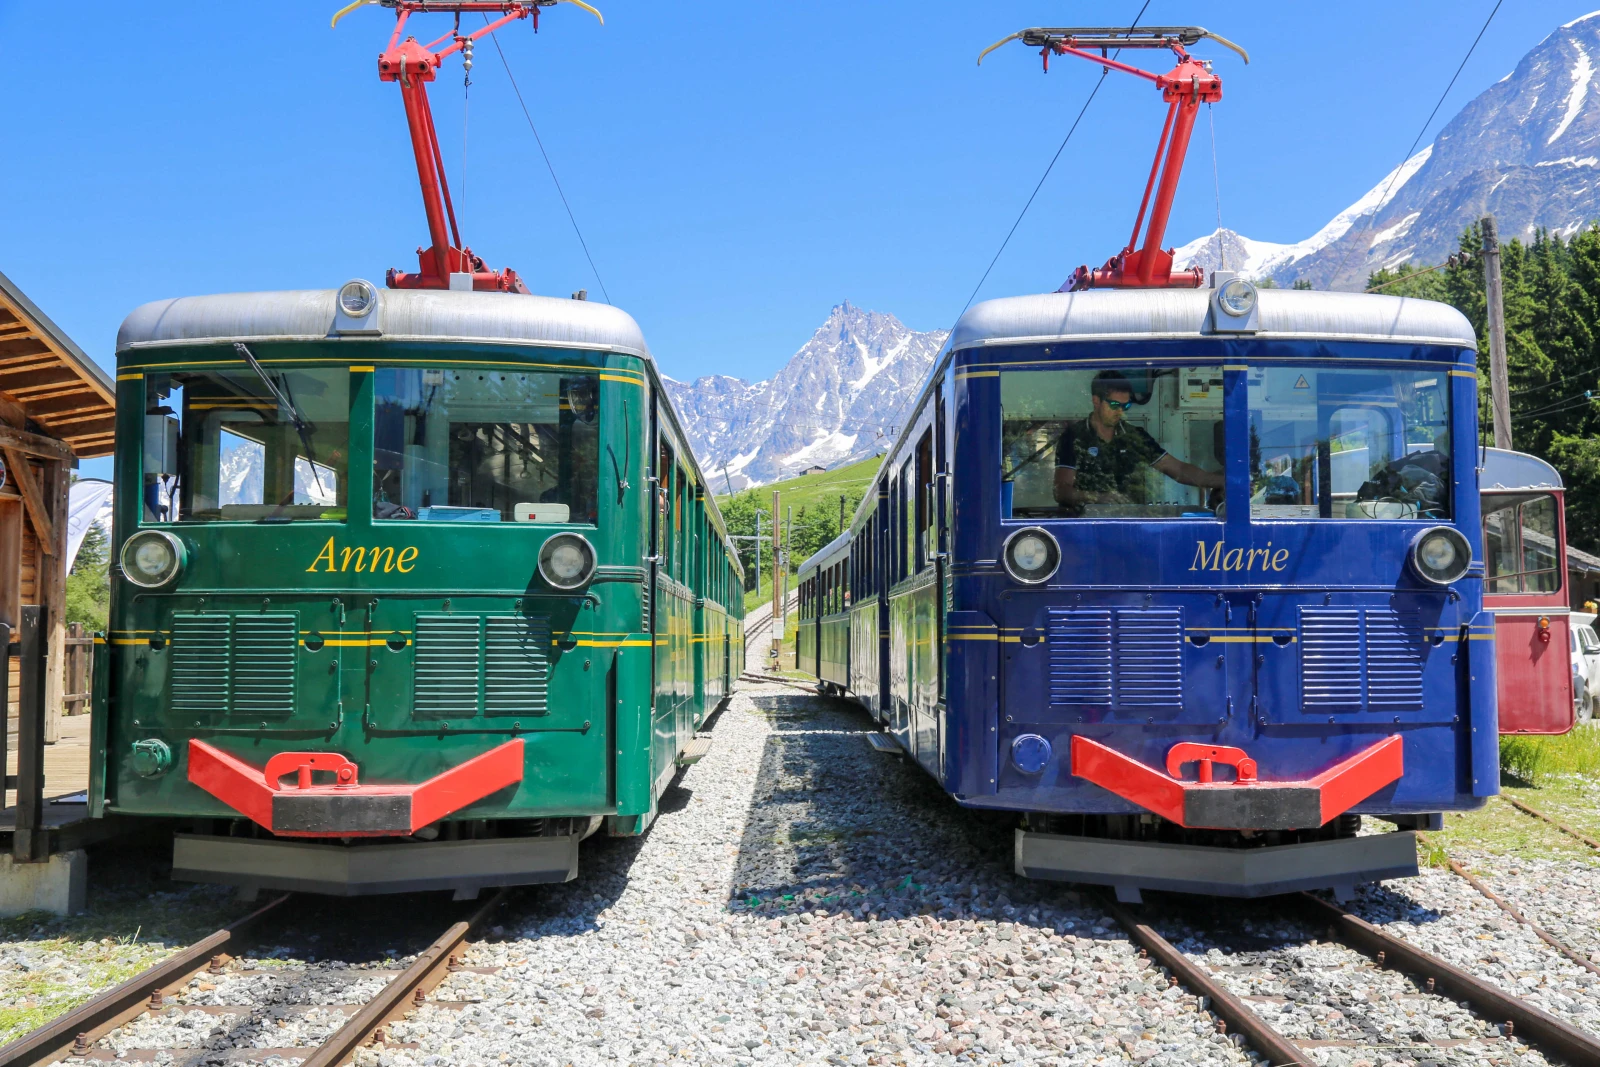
column 53, row 596
column 1499, row 381
column 28, row 841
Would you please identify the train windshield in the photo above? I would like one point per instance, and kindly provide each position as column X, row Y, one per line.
column 230, row 445
column 1142, row 443
column 462, row 445
column 1337, row 442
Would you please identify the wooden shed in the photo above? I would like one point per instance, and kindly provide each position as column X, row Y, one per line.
column 56, row 406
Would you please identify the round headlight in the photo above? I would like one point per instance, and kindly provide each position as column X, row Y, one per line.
column 1031, row 555
column 357, row 298
column 1237, row 297
column 1441, row 555
column 152, row 558
column 567, row 561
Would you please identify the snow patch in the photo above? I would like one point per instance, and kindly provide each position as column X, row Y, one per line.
column 1265, row 257
column 1580, row 18
column 1397, row 230
column 1567, row 161
column 1582, row 75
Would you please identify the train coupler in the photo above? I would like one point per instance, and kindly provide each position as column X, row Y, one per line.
column 1246, row 802
column 345, row 807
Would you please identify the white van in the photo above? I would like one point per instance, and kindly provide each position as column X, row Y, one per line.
column 1585, row 663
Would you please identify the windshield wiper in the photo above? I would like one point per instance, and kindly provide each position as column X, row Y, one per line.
column 286, row 402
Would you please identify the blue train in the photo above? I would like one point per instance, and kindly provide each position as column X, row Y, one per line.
column 1189, row 579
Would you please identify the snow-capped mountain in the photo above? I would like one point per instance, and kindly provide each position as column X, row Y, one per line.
column 833, row 402
column 1526, row 150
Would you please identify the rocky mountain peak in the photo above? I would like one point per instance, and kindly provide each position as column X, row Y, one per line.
column 1526, row 150
column 832, row 403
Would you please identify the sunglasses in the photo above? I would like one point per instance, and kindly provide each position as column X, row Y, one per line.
column 1118, row 405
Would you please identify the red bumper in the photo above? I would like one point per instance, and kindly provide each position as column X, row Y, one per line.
column 1243, row 804
column 346, row 808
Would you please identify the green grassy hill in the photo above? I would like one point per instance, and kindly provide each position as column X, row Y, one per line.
column 815, row 500
column 811, row 490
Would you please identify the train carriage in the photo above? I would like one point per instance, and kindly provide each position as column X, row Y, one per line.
column 1525, row 587
column 415, row 589
column 1179, row 685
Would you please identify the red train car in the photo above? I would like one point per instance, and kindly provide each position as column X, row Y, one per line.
column 1524, row 584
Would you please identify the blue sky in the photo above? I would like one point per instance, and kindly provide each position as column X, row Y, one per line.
column 737, row 168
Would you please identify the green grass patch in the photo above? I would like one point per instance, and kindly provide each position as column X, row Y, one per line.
column 816, row 490
column 1559, row 776
column 1540, row 760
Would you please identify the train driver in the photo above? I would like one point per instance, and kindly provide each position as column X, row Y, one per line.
column 1101, row 460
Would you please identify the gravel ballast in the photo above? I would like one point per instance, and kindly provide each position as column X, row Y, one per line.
column 805, row 899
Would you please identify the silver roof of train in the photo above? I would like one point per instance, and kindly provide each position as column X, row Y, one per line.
column 1113, row 314
column 401, row 315
column 1503, row 469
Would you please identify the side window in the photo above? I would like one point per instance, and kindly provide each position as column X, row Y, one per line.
column 908, row 522
column 1519, row 543
column 924, row 509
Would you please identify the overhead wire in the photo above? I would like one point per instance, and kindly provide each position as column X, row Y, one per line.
column 1395, row 176
column 1104, row 71
column 548, row 165
column 1552, row 385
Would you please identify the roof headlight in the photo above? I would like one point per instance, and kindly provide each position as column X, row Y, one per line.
column 566, row 561
column 152, row 558
column 1441, row 555
column 1031, row 555
column 357, row 298
column 1237, row 297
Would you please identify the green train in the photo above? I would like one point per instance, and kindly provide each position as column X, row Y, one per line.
column 414, row 589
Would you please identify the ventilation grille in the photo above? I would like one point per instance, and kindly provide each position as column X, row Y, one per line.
column 1123, row 658
column 469, row 665
column 240, row 665
column 1360, row 659
column 516, row 666
column 448, row 653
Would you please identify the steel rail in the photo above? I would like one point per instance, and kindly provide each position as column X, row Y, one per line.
column 757, row 679
column 406, row 991
column 1532, row 1024
column 98, row 1016
column 1559, row 825
column 1278, row 1050
column 1505, row 906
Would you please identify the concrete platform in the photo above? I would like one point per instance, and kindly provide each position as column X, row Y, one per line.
column 1130, row 867
column 59, row 886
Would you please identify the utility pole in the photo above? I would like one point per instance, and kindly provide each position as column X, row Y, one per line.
column 758, row 552
column 779, row 621
column 1499, row 382
column 841, row 513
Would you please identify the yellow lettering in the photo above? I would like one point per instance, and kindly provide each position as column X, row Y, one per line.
column 1250, row 563
column 327, row 550
column 361, row 557
column 378, row 553
column 1278, row 558
column 406, row 561
column 1232, row 561
column 1204, row 560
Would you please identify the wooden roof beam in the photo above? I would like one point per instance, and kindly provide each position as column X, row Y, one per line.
column 32, row 499
column 13, row 439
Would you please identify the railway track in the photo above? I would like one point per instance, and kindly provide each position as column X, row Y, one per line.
column 202, row 1001
column 1357, row 988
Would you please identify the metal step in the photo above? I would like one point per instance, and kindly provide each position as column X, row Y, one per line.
column 884, row 743
column 694, row 751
